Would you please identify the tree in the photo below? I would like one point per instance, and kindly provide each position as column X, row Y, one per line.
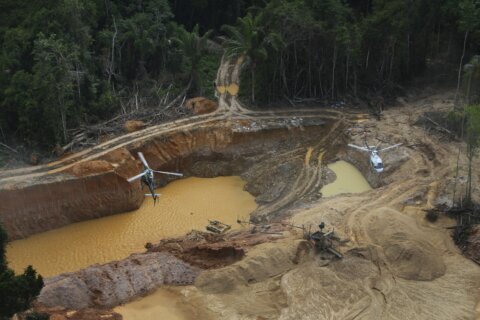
column 20, row 93
column 471, row 72
column 56, row 75
column 142, row 39
column 69, row 62
column 16, row 292
column 251, row 40
column 468, row 21
column 473, row 144
column 3, row 249
column 193, row 46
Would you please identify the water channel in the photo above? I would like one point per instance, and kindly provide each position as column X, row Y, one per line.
column 184, row 205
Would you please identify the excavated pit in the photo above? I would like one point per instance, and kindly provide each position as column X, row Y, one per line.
column 272, row 160
column 184, row 205
column 268, row 159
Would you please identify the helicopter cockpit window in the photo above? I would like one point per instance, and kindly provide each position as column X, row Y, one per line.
column 378, row 166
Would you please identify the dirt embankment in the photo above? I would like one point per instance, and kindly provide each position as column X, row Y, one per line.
column 85, row 191
column 108, row 285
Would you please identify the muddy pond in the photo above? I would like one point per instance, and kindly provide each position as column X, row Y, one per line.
column 160, row 304
column 184, row 205
column 349, row 180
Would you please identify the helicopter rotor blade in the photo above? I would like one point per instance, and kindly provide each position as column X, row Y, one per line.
column 391, row 147
column 169, row 173
column 142, row 158
column 136, row 177
column 359, row 148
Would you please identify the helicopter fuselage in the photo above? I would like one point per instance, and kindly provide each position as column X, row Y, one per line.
column 376, row 161
column 147, row 177
column 149, row 181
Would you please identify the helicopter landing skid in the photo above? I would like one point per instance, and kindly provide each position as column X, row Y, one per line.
column 150, row 195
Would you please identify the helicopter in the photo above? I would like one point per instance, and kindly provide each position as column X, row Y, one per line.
column 375, row 159
column 148, row 179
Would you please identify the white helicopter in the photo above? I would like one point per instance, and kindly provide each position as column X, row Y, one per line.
column 147, row 177
column 375, row 159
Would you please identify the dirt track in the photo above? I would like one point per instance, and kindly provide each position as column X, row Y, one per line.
column 230, row 110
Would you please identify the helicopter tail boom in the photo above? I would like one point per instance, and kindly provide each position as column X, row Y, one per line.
column 170, row 173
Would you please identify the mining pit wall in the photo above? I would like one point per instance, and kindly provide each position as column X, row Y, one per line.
column 98, row 187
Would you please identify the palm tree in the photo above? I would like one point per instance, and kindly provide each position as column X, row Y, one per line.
column 194, row 46
column 249, row 39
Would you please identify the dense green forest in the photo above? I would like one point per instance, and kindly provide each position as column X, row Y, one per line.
column 65, row 63
column 17, row 291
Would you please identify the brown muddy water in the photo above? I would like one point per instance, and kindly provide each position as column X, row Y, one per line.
column 161, row 304
column 184, row 205
column 349, row 180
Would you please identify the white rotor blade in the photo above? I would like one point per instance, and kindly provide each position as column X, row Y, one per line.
column 142, row 158
column 136, row 177
column 170, row 173
column 150, row 195
column 391, row 147
column 359, row 148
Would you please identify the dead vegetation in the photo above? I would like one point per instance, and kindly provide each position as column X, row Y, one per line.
column 90, row 135
column 466, row 232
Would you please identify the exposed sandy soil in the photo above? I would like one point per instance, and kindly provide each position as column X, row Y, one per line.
column 396, row 265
